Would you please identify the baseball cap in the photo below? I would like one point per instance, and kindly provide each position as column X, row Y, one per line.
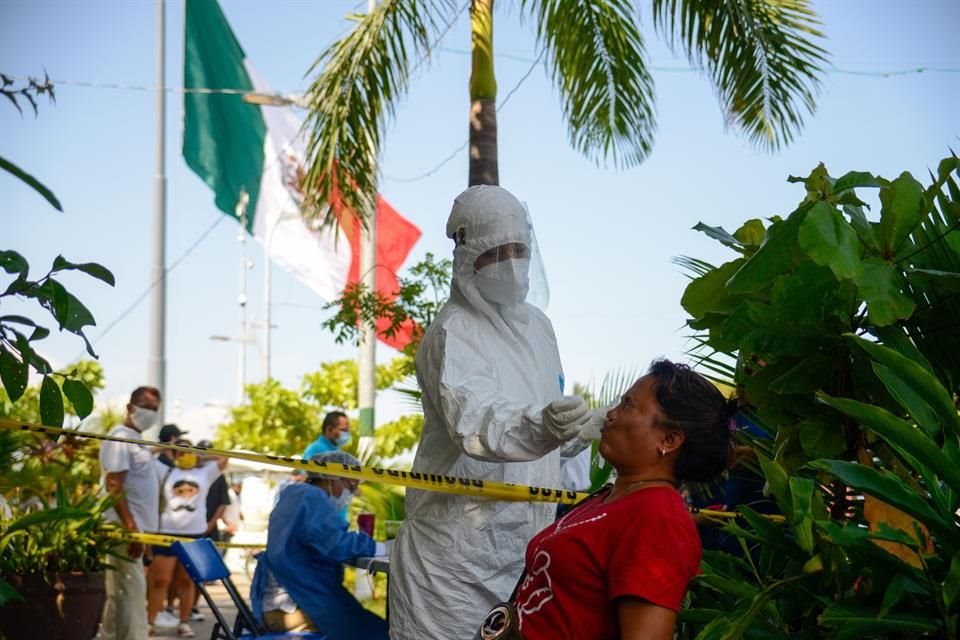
column 170, row 432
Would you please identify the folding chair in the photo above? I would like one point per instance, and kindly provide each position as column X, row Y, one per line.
column 203, row 564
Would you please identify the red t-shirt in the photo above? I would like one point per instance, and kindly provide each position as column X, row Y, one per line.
column 643, row 545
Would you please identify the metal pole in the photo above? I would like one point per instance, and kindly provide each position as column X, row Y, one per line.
column 267, row 279
column 367, row 366
column 156, row 363
column 241, row 212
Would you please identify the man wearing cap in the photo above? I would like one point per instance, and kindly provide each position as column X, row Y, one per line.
column 168, row 435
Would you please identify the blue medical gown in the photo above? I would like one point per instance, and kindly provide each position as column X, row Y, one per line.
column 307, row 543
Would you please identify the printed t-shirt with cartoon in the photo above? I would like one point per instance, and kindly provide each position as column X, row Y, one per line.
column 185, row 499
column 644, row 545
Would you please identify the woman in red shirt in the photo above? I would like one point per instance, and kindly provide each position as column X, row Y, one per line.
column 618, row 565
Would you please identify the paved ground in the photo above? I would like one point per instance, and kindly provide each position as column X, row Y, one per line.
column 224, row 603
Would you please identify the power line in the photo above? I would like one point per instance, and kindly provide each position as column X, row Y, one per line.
column 886, row 73
column 456, row 152
column 143, row 295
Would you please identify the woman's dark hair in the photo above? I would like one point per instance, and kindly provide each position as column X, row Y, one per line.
column 691, row 404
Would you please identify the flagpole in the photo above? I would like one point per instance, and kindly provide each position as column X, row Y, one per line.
column 156, row 364
column 367, row 366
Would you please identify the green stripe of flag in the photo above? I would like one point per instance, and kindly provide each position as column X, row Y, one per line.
column 223, row 136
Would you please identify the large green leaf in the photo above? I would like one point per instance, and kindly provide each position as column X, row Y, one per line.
column 854, row 179
column 887, row 487
column 778, row 481
column 902, row 207
column 35, row 184
column 14, row 373
column 13, row 262
column 79, row 396
column 918, row 408
column 801, row 490
column 857, row 622
column 707, row 292
column 830, row 241
column 901, row 435
column 881, row 285
column 822, row 438
column 90, row 268
column 51, row 403
column 863, row 227
column 951, row 586
column 920, row 379
column 771, row 259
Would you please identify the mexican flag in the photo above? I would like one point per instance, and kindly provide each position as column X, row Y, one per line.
column 239, row 148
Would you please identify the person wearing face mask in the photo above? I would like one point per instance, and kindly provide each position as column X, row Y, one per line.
column 492, row 384
column 334, row 435
column 298, row 582
column 131, row 473
column 183, row 513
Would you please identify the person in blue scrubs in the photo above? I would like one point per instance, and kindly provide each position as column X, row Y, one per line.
column 298, row 583
column 334, row 435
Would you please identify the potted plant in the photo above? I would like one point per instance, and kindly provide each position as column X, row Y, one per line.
column 54, row 546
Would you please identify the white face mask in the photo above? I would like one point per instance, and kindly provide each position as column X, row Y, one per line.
column 505, row 282
column 143, row 419
column 342, row 501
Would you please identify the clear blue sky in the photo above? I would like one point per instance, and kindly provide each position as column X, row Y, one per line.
column 607, row 237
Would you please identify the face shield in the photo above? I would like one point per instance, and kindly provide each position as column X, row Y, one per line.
column 497, row 264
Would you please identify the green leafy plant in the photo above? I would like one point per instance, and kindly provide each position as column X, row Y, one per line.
column 51, row 520
column 834, row 330
column 18, row 333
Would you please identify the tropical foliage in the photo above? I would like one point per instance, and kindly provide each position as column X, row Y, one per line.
column 283, row 421
column 839, row 333
column 761, row 55
column 18, row 333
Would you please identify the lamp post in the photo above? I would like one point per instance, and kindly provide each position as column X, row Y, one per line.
column 267, row 290
column 156, row 363
column 243, row 340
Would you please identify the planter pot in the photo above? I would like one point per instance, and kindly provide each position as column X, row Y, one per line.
column 67, row 607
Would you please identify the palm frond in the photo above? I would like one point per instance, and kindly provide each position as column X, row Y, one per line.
column 695, row 266
column 362, row 77
column 598, row 63
column 760, row 54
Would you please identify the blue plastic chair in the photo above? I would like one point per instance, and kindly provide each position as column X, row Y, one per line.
column 203, row 563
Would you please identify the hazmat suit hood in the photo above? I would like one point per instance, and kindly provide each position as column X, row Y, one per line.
column 482, row 218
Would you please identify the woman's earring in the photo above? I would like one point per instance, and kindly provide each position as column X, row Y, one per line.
column 661, row 451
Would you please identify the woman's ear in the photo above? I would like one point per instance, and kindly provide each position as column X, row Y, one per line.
column 673, row 440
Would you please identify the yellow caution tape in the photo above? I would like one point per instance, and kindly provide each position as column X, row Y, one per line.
column 164, row 540
column 410, row 479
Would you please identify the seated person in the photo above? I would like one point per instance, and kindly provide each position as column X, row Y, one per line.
column 298, row 583
column 618, row 564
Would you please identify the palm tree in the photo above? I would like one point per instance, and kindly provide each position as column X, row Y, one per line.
column 760, row 55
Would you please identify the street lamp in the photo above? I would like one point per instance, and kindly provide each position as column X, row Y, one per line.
column 267, row 279
column 243, row 341
column 276, row 100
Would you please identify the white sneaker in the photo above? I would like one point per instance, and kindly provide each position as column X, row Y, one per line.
column 196, row 615
column 165, row 620
column 184, row 630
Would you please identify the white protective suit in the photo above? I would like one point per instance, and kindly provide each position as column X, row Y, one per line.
column 486, row 372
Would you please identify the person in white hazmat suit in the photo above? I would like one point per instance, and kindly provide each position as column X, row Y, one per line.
column 494, row 410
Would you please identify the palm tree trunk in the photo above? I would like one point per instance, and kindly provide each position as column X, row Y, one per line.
column 483, row 97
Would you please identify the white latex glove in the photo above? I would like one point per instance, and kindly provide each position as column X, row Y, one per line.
column 591, row 429
column 564, row 418
column 383, row 548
